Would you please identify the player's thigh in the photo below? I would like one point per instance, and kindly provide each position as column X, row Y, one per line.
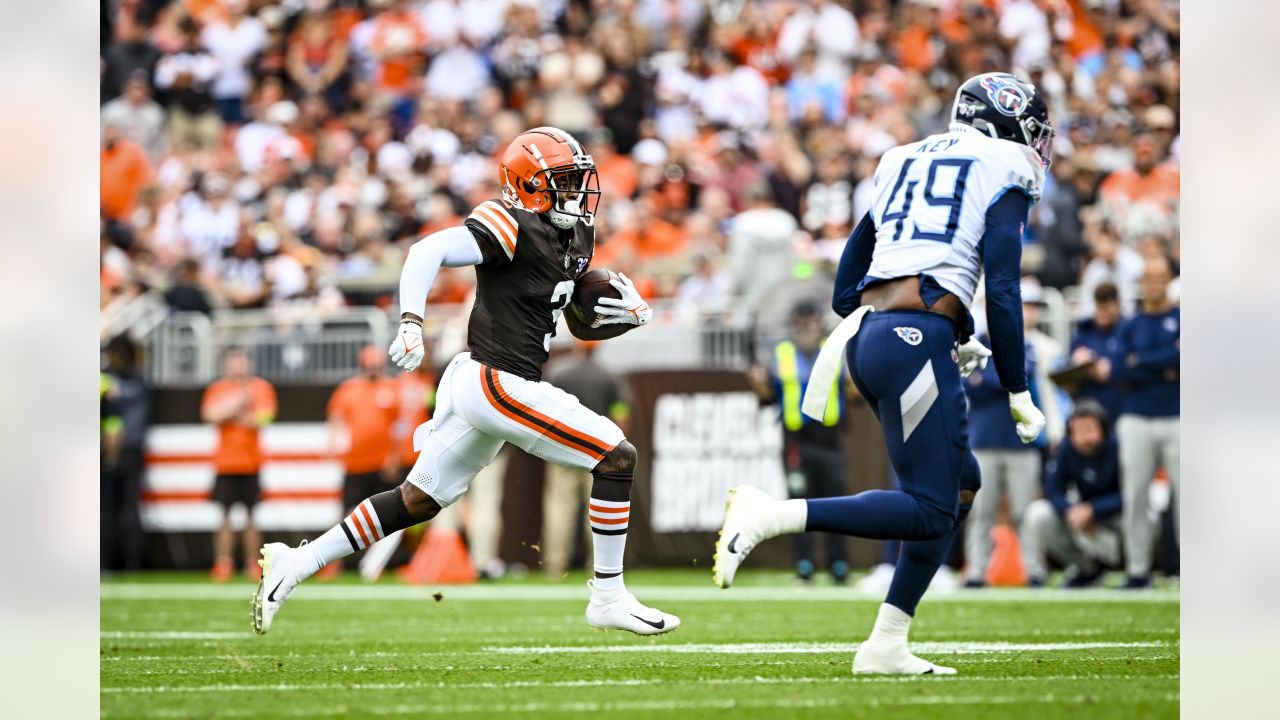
column 450, row 455
column 537, row 417
column 905, row 360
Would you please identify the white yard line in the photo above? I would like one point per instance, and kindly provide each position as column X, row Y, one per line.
column 634, row 682
column 171, row 635
column 933, row 648
column 196, row 591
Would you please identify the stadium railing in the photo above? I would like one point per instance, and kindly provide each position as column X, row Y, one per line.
column 303, row 346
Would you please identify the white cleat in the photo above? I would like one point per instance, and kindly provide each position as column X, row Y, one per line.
column 619, row 610
column 278, row 582
column 750, row 518
column 893, row 659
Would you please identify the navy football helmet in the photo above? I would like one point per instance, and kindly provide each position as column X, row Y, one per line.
column 1006, row 108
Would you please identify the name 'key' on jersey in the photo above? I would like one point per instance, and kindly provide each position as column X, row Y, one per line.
column 932, row 197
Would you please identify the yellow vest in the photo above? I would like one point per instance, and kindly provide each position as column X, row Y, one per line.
column 789, row 375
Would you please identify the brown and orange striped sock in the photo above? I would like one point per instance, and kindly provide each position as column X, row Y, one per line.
column 373, row 519
column 609, row 512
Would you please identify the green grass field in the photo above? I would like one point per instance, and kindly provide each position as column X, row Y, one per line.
column 178, row 647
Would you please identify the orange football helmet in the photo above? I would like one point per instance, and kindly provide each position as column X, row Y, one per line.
column 546, row 170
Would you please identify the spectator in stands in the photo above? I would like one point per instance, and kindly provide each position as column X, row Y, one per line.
column 187, row 294
column 134, row 53
column 1094, row 339
column 829, row 27
column 761, row 246
column 363, row 415
column 1008, row 467
column 707, row 289
column 813, row 450
column 124, row 171
column 126, row 418
column 1112, row 262
column 186, row 77
column 1146, row 363
column 239, row 404
column 317, row 59
column 566, row 489
column 136, row 115
column 1078, row 521
column 1147, row 181
column 1058, row 225
column 234, row 42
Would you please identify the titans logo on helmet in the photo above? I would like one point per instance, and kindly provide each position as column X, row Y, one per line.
column 1006, row 97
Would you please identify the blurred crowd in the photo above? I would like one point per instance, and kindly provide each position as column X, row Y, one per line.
column 284, row 154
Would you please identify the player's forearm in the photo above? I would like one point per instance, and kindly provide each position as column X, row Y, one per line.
column 1002, row 260
column 452, row 247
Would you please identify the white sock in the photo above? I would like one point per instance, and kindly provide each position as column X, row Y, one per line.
column 357, row 531
column 791, row 516
column 609, row 522
column 892, row 625
column 333, row 545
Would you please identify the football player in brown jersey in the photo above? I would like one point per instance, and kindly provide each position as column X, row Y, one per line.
column 529, row 247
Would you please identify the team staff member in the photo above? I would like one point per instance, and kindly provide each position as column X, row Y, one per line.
column 1078, row 520
column 240, row 405
column 1007, row 466
column 367, row 406
column 1093, row 338
column 1146, row 363
column 813, row 451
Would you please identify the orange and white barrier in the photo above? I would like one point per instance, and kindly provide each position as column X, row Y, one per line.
column 301, row 483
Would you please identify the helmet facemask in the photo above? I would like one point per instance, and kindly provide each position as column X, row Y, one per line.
column 575, row 193
column 1039, row 137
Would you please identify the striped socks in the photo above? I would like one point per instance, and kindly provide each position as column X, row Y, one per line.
column 373, row 519
column 609, row 512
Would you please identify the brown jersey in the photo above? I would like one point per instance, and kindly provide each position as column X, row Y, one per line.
column 526, row 280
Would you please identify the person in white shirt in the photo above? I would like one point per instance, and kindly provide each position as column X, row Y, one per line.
column 830, row 28
column 233, row 44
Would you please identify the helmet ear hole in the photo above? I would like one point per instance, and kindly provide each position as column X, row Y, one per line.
column 528, row 187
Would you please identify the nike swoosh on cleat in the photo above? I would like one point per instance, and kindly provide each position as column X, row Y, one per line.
column 927, row 672
column 733, row 541
column 271, row 596
column 655, row 625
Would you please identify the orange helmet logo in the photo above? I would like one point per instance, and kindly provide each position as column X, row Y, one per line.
column 546, row 170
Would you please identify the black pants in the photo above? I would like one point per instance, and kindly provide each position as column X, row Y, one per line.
column 121, row 539
column 821, row 464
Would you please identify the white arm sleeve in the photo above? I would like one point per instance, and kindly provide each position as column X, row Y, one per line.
column 451, row 247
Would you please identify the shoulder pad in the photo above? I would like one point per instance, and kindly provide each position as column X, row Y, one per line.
column 1026, row 172
column 501, row 224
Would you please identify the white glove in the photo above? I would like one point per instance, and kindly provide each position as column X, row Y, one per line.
column 630, row 309
column 971, row 356
column 1026, row 416
column 406, row 350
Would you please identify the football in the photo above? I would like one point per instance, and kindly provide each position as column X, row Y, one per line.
column 590, row 288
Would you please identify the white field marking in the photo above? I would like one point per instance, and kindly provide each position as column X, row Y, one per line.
column 629, row 682
column 171, row 635
column 195, row 591
column 560, row 709
column 934, row 648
